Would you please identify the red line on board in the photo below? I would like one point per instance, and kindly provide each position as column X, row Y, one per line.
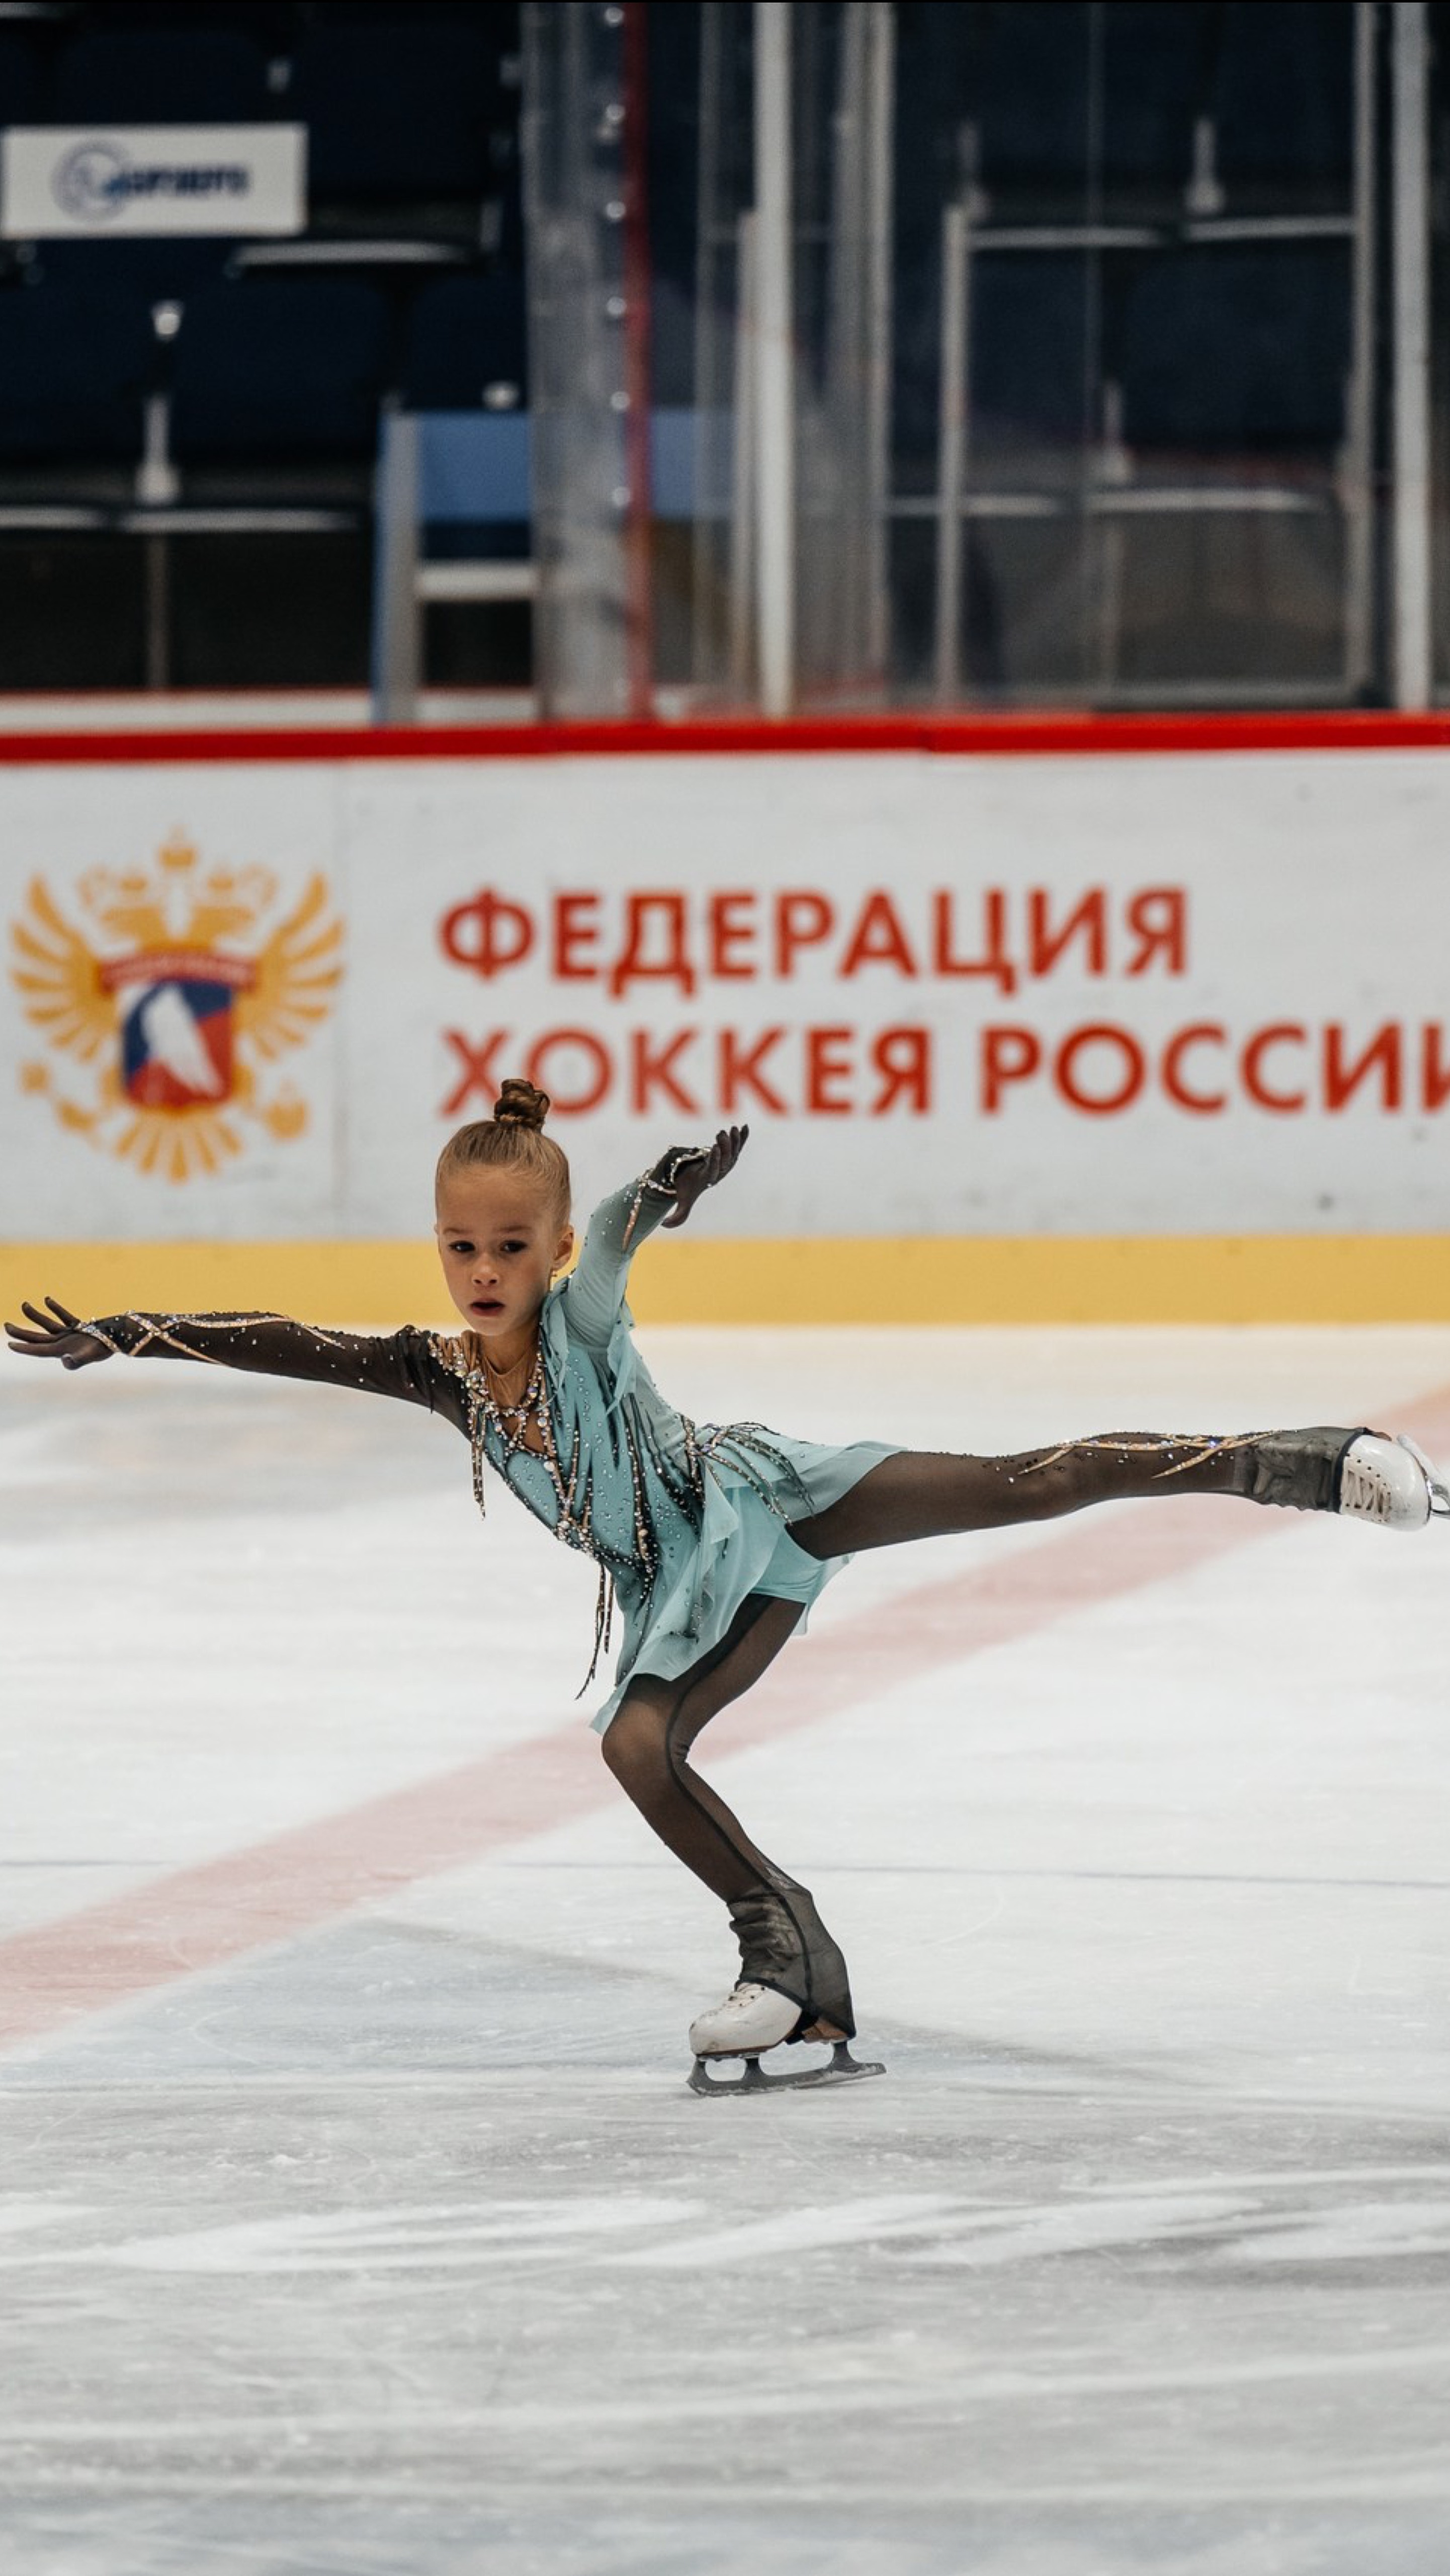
column 993, row 736
column 127, row 1946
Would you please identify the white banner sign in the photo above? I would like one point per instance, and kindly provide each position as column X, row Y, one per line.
column 952, row 996
column 115, row 179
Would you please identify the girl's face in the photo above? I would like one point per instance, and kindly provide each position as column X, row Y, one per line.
column 501, row 1243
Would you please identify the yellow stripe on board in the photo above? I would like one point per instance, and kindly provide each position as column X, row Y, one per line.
column 1154, row 1279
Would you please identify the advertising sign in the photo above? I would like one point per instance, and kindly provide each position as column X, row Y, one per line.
column 109, row 180
column 952, row 996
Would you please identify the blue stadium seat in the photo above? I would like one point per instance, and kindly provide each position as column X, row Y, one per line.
column 149, row 269
column 1154, row 83
column 494, row 24
column 392, row 13
column 73, row 374
column 23, row 87
column 466, row 337
column 1029, row 95
column 1029, row 85
column 395, row 111
column 280, row 368
column 1028, row 352
column 1236, row 350
column 161, row 76
column 1283, row 94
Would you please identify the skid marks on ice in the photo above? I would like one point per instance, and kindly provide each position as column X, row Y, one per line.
column 1377, row 2214
column 425, row 2235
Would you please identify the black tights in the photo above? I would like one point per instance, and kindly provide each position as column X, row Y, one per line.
column 917, row 1494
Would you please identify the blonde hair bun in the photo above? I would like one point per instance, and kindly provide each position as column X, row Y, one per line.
column 520, row 1105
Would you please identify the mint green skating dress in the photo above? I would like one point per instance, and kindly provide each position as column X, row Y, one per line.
column 686, row 1519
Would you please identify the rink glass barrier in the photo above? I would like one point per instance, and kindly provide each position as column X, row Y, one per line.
column 1033, row 1019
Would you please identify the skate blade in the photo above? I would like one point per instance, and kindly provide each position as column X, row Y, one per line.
column 1439, row 1490
column 843, row 2069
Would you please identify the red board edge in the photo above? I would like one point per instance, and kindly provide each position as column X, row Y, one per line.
column 968, row 736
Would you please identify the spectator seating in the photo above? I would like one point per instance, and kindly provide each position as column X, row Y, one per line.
column 395, row 111
column 142, row 270
column 1025, row 90
column 73, row 375
column 23, row 86
column 1273, row 78
column 279, row 368
column 1027, row 359
column 1236, row 351
column 408, row 108
column 466, row 346
column 1154, row 79
column 161, row 76
column 497, row 17
column 1283, row 96
column 1028, row 83
column 269, row 23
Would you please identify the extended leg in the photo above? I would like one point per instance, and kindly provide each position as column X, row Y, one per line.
column 926, row 1494
column 784, row 1946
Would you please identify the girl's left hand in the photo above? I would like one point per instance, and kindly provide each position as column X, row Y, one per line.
column 704, row 1169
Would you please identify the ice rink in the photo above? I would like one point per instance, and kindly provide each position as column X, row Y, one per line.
column 354, row 2215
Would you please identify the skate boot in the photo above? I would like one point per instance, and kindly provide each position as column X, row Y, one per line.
column 793, row 1986
column 1360, row 1474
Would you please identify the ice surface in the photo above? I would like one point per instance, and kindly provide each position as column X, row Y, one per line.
column 353, row 2213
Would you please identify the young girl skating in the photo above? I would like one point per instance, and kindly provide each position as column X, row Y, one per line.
column 713, row 1539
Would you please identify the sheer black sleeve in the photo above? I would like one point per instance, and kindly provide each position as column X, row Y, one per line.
column 410, row 1364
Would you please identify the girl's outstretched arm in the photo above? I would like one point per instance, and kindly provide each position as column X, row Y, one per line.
column 398, row 1364
column 665, row 1194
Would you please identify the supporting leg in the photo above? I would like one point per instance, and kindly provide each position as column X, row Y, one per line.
column 784, row 1945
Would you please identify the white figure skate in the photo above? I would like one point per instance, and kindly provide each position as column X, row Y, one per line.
column 1360, row 1474
column 1392, row 1483
column 752, row 2019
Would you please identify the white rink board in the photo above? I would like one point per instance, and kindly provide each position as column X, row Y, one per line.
column 1276, row 1068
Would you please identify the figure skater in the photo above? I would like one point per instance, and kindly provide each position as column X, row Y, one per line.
column 712, row 1538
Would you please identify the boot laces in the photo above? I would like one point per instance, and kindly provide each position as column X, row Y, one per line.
column 741, row 1997
column 1365, row 1492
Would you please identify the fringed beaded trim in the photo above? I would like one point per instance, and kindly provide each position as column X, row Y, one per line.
column 686, row 1489
column 733, row 1444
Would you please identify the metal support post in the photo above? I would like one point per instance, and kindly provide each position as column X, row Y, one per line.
column 157, row 552
column 743, row 548
column 396, row 653
column 881, row 113
column 718, row 391
column 951, row 451
column 638, row 549
column 775, row 361
column 1412, row 517
column 1358, row 471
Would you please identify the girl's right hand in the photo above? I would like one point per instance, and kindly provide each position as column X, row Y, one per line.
column 57, row 1336
column 695, row 1169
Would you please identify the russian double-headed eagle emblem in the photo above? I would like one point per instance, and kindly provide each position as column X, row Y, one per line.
column 168, row 996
